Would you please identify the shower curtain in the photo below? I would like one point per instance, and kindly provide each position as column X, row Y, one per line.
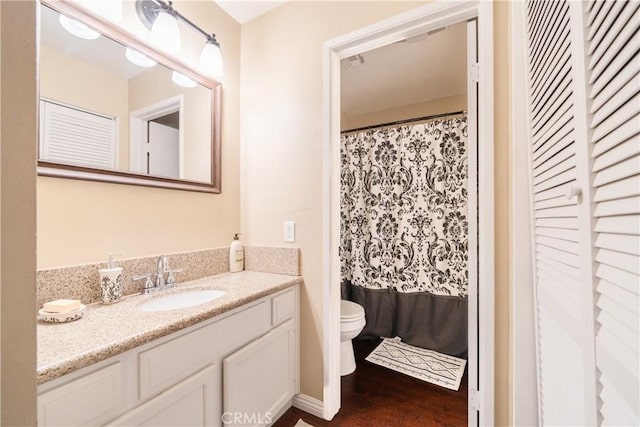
column 404, row 244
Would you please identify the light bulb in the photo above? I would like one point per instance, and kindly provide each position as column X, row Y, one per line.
column 182, row 80
column 211, row 60
column 78, row 29
column 165, row 33
column 139, row 59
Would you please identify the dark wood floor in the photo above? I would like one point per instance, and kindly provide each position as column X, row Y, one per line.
column 376, row 396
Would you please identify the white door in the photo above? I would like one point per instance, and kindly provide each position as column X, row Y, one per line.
column 163, row 150
column 613, row 78
column 563, row 268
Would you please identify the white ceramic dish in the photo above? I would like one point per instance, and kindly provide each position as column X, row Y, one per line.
column 69, row 316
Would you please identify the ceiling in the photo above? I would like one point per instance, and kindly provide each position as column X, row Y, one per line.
column 244, row 11
column 422, row 69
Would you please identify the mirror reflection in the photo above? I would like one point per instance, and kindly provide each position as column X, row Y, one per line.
column 107, row 106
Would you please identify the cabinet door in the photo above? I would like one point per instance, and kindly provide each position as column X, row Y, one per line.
column 192, row 402
column 259, row 379
column 89, row 400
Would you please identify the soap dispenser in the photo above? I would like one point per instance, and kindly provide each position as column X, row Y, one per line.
column 236, row 255
column 111, row 282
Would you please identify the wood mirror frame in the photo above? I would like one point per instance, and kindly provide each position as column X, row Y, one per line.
column 117, row 34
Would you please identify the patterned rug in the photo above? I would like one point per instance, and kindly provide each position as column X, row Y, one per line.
column 426, row 365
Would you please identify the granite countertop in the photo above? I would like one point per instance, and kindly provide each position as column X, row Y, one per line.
column 107, row 330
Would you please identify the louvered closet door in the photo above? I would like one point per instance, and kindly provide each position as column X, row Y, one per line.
column 73, row 136
column 566, row 377
column 613, row 46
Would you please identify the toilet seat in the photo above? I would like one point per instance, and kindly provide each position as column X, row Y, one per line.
column 350, row 311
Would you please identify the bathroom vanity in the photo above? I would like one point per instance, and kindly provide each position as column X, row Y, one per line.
column 234, row 360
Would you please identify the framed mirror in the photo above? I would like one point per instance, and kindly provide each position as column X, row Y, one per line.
column 115, row 109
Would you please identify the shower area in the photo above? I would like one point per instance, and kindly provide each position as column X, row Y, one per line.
column 404, row 229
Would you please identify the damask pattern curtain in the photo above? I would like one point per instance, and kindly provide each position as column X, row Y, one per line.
column 404, row 230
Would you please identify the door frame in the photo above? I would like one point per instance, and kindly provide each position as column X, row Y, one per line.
column 434, row 15
column 138, row 131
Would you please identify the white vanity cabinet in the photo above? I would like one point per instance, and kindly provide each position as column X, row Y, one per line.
column 245, row 360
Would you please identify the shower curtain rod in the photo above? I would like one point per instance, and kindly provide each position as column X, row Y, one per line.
column 399, row 122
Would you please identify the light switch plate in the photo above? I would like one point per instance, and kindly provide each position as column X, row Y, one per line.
column 289, row 231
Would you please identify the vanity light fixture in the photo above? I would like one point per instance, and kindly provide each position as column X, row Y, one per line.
column 211, row 58
column 77, row 28
column 182, row 80
column 139, row 59
column 164, row 31
column 165, row 34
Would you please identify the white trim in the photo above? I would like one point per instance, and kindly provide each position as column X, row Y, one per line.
column 486, row 254
column 524, row 390
column 309, row 404
column 472, row 218
column 138, row 131
column 421, row 19
column 331, row 236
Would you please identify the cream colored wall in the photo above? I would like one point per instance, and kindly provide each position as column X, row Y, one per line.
column 82, row 221
column 282, row 148
column 156, row 85
column 18, row 122
column 502, row 194
column 282, row 152
column 436, row 106
column 69, row 80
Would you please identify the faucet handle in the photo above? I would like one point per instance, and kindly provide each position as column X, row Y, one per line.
column 170, row 279
column 148, row 283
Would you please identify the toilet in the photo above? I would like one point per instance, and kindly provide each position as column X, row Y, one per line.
column 351, row 323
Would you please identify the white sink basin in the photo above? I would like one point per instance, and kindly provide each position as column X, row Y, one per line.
column 181, row 300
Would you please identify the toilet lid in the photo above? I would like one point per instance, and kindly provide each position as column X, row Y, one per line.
column 350, row 310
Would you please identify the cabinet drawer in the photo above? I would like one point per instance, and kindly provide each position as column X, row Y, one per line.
column 283, row 307
column 169, row 363
column 89, row 400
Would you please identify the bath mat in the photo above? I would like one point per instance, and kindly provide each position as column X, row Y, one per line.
column 301, row 423
column 426, row 365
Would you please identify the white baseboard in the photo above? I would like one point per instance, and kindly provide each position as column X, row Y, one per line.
column 309, row 404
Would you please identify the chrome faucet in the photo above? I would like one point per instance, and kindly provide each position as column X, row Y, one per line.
column 162, row 265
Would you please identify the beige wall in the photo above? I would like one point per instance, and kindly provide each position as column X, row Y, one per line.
column 18, row 123
column 71, row 81
column 436, row 106
column 81, row 221
column 502, row 188
column 156, row 85
column 282, row 141
column 282, row 152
